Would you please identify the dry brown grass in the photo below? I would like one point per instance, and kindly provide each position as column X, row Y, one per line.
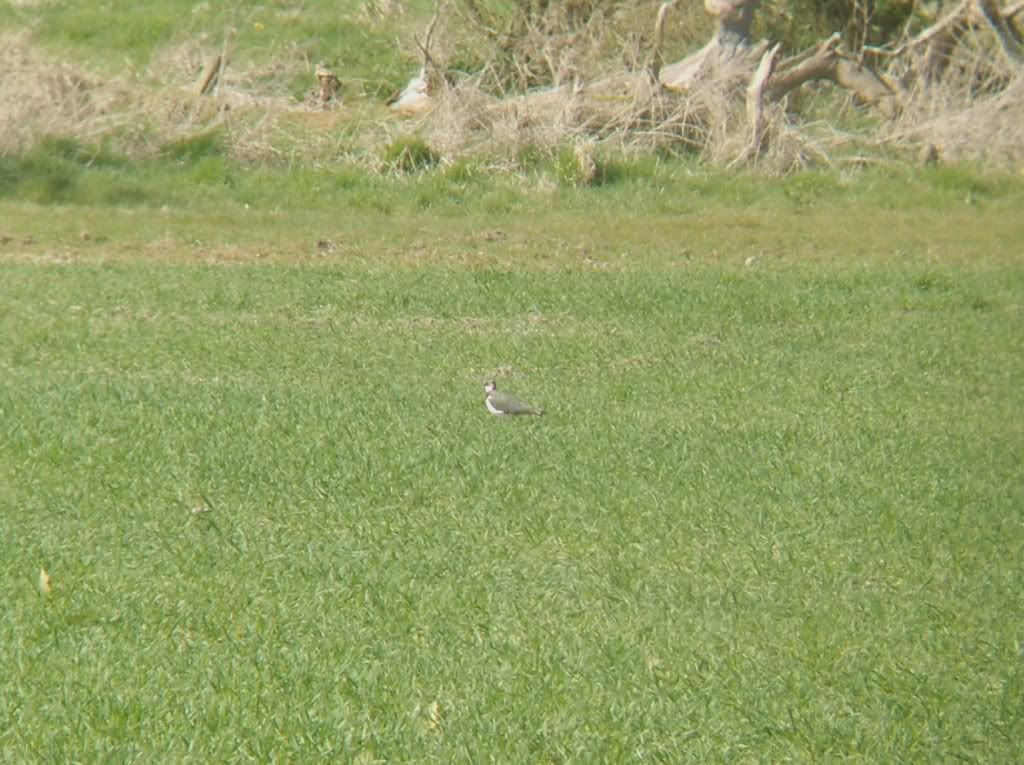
column 975, row 112
column 139, row 113
column 597, row 92
column 40, row 96
column 562, row 80
column 988, row 129
column 623, row 113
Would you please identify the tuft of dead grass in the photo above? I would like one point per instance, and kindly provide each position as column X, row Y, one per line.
column 42, row 96
column 140, row 113
column 974, row 112
column 625, row 114
column 989, row 129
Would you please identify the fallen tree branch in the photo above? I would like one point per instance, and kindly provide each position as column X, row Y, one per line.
column 659, row 37
column 816, row 66
column 829, row 63
column 697, row 100
column 755, row 103
column 208, row 77
column 210, row 80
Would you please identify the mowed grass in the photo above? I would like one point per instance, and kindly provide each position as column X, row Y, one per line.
column 773, row 512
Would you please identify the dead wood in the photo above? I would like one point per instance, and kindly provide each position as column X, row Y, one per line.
column 730, row 54
column 936, row 30
column 829, row 62
column 327, row 85
column 1006, row 34
column 657, row 59
column 417, row 95
column 429, row 65
column 931, row 50
column 755, row 103
column 208, row 77
column 700, row 97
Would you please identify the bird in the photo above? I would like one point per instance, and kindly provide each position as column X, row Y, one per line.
column 500, row 404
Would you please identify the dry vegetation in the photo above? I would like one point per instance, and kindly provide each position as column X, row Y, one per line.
column 586, row 74
column 951, row 90
column 140, row 113
column 39, row 96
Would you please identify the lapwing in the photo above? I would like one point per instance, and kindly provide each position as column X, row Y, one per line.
column 500, row 404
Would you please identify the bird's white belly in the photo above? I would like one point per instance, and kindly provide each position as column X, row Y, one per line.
column 491, row 408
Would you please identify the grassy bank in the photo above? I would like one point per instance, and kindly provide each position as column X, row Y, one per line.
column 68, row 200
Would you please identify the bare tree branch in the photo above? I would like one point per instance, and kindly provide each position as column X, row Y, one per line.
column 428, row 61
column 659, row 38
column 929, row 34
column 1009, row 40
column 829, row 63
column 755, row 103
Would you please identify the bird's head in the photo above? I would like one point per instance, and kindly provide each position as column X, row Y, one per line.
column 490, row 387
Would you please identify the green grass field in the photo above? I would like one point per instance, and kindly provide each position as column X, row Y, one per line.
column 253, row 508
column 773, row 512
